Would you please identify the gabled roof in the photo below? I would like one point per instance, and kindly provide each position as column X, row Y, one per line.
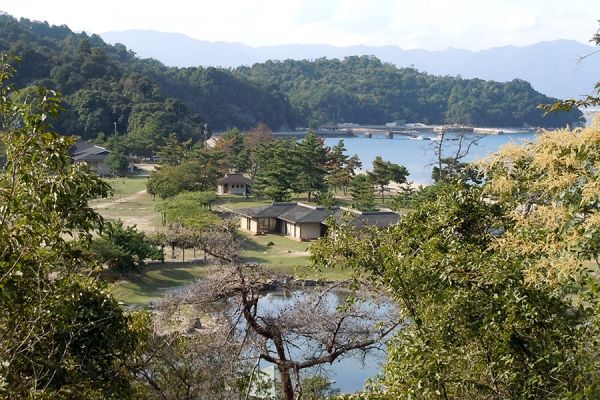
column 235, row 178
column 382, row 219
column 271, row 211
column 304, row 213
column 82, row 151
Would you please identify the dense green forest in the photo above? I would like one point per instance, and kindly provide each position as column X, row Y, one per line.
column 107, row 89
column 367, row 91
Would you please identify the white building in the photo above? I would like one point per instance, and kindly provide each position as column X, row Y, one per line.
column 234, row 183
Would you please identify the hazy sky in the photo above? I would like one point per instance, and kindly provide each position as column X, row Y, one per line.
column 429, row 24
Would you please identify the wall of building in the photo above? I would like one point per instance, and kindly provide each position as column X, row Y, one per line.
column 249, row 225
column 310, row 231
column 228, row 188
column 292, row 230
column 267, row 224
column 237, row 188
column 102, row 168
column 99, row 166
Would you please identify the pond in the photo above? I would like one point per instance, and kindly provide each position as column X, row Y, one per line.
column 348, row 373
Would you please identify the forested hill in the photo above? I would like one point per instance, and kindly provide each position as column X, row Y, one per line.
column 365, row 90
column 103, row 84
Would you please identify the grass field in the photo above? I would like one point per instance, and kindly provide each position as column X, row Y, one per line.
column 123, row 187
column 156, row 281
column 134, row 207
column 285, row 256
column 130, row 204
column 234, row 202
column 139, row 211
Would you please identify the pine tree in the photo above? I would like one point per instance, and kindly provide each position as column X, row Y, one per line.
column 336, row 166
column 278, row 175
column 385, row 172
column 361, row 190
column 313, row 159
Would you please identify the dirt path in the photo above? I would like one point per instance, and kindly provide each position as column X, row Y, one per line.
column 134, row 196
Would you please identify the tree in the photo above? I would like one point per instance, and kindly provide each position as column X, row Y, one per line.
column 173, row 152
column 117, row 162
column 189, row 208
column 451, row 167
column 236, row 156
column 361, row 190
column 385, row 172
column 124, row 249
column 279, row 172
column 256, row 138
column 551, row 187
column 329, row 332
column 340, row 167
column 350, row 169
column 478, row 327
column 62, row 335
column 199, row 173
column 499, row 279
column 312, row 155
column 318, row 387
column 188, row 366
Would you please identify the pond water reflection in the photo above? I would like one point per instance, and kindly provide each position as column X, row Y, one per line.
column 348, row 373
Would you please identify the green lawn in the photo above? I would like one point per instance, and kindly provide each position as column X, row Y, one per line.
column 128, row 186
column 230, row 201
column 285, row 256
column 139, row 211
column 156, row 281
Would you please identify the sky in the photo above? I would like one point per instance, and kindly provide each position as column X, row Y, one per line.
column 409, row 24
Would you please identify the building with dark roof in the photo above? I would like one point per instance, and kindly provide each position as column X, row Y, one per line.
column 234, row 183
column 92, row 155
column 304, row 222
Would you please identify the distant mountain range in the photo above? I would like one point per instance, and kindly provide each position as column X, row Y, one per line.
column 554, row 68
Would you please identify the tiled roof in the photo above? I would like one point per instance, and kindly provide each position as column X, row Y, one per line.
column 381, row 219
column 303, row 213
column 235, row 178
column 82, row 151
column 270, row 211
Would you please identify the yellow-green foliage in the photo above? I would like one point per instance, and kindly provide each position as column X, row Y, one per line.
column 553, row 185
column 189, row 209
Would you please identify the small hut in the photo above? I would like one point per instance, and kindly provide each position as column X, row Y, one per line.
column 234, row 183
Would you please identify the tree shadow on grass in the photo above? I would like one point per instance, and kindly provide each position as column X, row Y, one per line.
column 256, row 260
column 252, row 245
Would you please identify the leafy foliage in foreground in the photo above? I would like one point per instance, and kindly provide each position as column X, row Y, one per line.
column 497, row 282
column 62, row 335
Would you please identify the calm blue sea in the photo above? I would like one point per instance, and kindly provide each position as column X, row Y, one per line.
column 418, row 155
